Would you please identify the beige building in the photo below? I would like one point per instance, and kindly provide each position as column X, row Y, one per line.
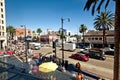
column 96, row 37
column 3, row 40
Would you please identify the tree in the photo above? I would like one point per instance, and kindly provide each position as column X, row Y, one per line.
column 82, row 29
column 116, row 31
column 33, row 32
column 11, row 31
column 104, row 22
column 39, row 31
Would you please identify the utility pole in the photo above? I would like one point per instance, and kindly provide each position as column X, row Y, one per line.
column 62, row 21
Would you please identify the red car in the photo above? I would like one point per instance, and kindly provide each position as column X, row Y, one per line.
column 9, row 52
column 79, row 56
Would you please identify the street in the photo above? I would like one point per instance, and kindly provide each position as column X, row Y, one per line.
column 98, row 67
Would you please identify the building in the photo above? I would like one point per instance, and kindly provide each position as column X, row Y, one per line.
column 3, row 37
column 48, row 38
column 96, row 38
column 20, row 33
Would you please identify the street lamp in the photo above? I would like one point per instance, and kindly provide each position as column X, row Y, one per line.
column 62, row 21
column 25, row 41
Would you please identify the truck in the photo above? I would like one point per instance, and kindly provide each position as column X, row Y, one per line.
column 69, row 46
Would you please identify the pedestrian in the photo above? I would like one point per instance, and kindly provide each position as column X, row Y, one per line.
column 80, row 76
column 37, row 62
column 35, row 70
column 78, row 66
column 99, row 78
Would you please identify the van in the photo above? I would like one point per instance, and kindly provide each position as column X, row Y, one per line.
column 35, row 46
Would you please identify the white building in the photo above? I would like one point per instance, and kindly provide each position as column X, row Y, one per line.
column 3, row 37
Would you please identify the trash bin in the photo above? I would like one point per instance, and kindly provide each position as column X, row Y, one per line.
column 66, row 64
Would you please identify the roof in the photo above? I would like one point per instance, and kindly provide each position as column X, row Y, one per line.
column 48, row 35
column 94, row 33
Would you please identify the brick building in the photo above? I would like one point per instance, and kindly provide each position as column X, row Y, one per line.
column 20, row 33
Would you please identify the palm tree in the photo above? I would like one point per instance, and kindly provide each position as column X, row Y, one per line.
column 11, row 30
column 82, row 29
column 104, row 22
column 39, row 31
column 33, row 32
column 116, row 32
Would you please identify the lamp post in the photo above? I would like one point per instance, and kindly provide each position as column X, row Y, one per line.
column 62, row 21
column 25, row 41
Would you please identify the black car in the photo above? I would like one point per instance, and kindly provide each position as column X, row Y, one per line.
column 96, row 55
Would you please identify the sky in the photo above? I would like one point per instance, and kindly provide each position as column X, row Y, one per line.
column 47, row 14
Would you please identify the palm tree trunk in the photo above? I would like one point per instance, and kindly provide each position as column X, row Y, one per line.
column 83, row 39
column 103, row 36
column 117, row 42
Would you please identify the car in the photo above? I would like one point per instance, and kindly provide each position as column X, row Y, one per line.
column 9, row 52
column 109, row 53
column 79, row 56
column 96, row 55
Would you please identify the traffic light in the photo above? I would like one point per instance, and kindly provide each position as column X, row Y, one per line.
column 54, row 44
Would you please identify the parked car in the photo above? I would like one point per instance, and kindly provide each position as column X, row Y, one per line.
column 79, row 56
column 9, row 52
column 109, row 52
column 96, row 55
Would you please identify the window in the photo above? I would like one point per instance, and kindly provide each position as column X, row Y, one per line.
column 0, row 33
column 89, row 38
column 29, row 32
column 1, row 4
column 96, row 38
column 1, row 10
column 2, row 16
column 3, row 34
column 92, row 38
column 2, row 22
column 100, row 38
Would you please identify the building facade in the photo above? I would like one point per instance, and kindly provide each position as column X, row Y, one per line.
column 96, row 38
column 3, row 38
column 20, row 33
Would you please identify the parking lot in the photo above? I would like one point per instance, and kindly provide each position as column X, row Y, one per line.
column 98, row 67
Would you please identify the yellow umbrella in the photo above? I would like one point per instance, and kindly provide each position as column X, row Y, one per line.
column 48, row 67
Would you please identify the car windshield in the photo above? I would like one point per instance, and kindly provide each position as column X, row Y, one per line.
column 80, row 54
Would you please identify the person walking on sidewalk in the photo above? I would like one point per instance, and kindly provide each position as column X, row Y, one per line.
column 78, row 66
column 80, row 76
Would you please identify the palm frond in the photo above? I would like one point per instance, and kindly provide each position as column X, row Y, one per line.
column 107, row 3
column 99, row 6
column 88, row 4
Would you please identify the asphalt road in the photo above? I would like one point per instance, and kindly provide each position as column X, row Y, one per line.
column 98, row 67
